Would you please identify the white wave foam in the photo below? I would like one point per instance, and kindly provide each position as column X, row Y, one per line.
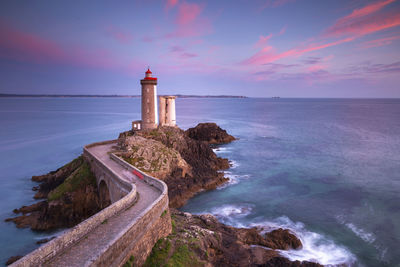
column 230, row 213
column 316, row 247
column 364, row 235
column 233, row 164
column 221, row 150
column 233, row 179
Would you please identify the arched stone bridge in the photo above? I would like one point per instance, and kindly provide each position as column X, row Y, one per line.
column 137, row 217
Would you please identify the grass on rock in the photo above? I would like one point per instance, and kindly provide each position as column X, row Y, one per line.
column 80, row 177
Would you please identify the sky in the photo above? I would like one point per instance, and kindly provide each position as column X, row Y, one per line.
column 257, row 48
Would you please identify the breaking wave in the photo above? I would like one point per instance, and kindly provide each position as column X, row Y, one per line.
column 221, row 150
column 316, row 247
column 233, row 179
column 364, row 235
column 229, row 214
column 361, row 233
column 233, row 164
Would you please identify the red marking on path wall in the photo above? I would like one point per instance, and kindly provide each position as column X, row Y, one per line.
column 138, row 174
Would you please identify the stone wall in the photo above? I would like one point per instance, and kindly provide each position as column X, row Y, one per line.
column 49, row 250
column 136, row 239
column 153, row 224
column 117, row 186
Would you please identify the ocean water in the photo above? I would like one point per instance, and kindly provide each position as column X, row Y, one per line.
column 328, row 169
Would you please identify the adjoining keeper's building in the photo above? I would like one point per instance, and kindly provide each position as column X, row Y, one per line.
column 151, row 115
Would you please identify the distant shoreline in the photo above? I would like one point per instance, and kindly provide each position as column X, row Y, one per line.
column 126, row 96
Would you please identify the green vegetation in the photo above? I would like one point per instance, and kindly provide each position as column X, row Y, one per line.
column 104, row 222
column 159, row 253
column 80, row 177
column 182, row 257
column 173, row 226
column 129, row 263
column 76, row 161
column 163, row 213
column 138, row 162
column 154, row 133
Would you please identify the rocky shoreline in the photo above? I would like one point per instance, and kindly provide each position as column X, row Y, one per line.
column 185, row 161
column 201, row 240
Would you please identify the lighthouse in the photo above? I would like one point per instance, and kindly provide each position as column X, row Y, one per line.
column 149, row 101
column 150, row 112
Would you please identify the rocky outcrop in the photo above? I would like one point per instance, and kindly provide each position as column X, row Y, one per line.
column 53, row 179
column 71, row 196
column 154, row 157
column 13, row 259
column 282, row 239
column 196, row 166
column 210, row 133
column 185, row 161
column 200, row 240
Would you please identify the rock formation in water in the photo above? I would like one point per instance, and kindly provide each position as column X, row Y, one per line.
column 200, row 240
column 70, row 195
column 183, row 161
column 210, row 133
column 187, row 164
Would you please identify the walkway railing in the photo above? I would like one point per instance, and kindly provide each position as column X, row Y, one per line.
column 125, row 237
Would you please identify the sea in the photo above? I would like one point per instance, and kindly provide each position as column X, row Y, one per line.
column 327, row 169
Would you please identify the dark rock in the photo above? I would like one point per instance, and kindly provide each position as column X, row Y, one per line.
column 13, row 259
column 283, row 262
column 28, row 209
column 204, row 163
column 210, row 133
column 55, row 178
column 66, row 211
column 211, row 243
column 282, row 239
column 44, row 240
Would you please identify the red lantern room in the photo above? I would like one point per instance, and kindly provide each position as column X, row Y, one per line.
column 148, row 75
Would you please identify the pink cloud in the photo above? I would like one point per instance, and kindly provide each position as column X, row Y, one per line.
column 366, row 25
column 189, row 23
column 187, row 13
column 365, row 20
column 368, row 9
column 119, row 35
column 268, row 54
column 359, row 23
column 28, row 47
column 262, row 41
column 282, row 31
column 316, row 67
column 171, row 4
column 380, row 42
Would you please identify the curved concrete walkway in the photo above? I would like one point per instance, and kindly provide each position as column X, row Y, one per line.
column 90, row 246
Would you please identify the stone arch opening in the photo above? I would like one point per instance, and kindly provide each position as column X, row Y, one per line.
column 104, row 195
